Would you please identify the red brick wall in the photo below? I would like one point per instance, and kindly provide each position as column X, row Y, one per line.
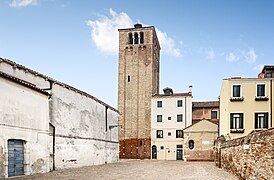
column 135, row 149
column 250, row 157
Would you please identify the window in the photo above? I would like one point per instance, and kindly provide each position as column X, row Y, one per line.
column 179, row 118
column 169, row 118
column 159, row 104
column 236, row 91
column 128, row 78
column 130, row 39
column 261, row 120
column 159, row 133
column 136, row 39
column 141, row 38
column 214, row 114
column 191, row 144
column 236, row 120
column 260, row 90
column 179, row 134
column 159, row 118
column 169, row 134
column 162, row 147
column 179, row 103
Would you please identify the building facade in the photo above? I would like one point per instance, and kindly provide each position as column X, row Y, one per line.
column 70, row 129
column 199, row 141
column 246, row 104
column 171, row 113
column 138, row 80
column 206, row 110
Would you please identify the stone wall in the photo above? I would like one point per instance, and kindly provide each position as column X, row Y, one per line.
column 249, row 157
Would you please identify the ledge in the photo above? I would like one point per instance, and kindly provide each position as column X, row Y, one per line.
column 264, row 98
column 237, row 99
column 237, row 130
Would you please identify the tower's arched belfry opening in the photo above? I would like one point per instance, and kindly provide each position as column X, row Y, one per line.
column 138, row 80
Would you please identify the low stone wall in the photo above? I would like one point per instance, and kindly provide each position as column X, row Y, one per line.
column 249, row 157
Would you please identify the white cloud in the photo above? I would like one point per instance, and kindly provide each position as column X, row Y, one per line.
column 250, row 56
column 104, row 33
column 231, row 57
column 210, row 54
column 22, row 3
column 168, row 44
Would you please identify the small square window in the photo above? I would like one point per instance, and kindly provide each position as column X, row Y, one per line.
column 162, row 147
column 169, row 118
column 179, row 118
column 169, row 133
column 159, row 118
column 179, row 103
column 159, row 104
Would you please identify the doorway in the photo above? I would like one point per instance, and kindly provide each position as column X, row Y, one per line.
column 179, row 152
column 15, row 157
column 154, row 152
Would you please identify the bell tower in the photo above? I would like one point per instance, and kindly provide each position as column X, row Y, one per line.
column 138, row 80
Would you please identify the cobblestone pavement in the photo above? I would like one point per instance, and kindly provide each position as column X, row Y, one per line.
column 140, row 169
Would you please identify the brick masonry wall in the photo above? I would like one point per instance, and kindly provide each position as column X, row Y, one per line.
column 135, row 148
column 249, row 157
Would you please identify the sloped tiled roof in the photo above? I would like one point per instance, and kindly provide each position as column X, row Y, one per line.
column 205, row 104
column 24, row 83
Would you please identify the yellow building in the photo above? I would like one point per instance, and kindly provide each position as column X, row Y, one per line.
column 246, row 104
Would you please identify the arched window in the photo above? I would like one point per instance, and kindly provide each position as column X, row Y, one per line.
column 191, row 144
column 136, row 39
column 141, row 38
column 130, row 38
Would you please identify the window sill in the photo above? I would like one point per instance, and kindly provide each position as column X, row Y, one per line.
column 264, row 98
column 237, row 99
column 237, row 130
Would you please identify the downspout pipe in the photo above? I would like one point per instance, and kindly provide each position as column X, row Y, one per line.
column 271, row 104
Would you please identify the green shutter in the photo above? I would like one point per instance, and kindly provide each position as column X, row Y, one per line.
column 266, row 120
column 231, row 120
column 241, row 120
column 256, row 121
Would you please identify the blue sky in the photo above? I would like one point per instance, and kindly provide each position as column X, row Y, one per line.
column 202, row 41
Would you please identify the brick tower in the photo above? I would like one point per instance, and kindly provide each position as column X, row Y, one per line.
column 138, row 80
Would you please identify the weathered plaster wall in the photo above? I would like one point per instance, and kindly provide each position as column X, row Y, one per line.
column 83, row 135
column 24, row 116
column 250, row 157
column 203, row 134
column 79, row 119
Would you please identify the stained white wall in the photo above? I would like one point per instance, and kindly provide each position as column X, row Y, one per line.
column 24, row 116
column 81, row 136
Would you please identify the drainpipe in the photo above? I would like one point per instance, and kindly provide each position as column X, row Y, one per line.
column 50, row 86
column 271, row 88
column 53, row 146
column 185, row 113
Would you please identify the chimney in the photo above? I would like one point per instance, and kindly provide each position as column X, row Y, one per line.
column 137, row 25
column 190, row 89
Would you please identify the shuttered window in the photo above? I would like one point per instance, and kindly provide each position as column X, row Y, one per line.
column 236, row 120
column 261, row 120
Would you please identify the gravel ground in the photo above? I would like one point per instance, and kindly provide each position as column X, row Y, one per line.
column 140, row 169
